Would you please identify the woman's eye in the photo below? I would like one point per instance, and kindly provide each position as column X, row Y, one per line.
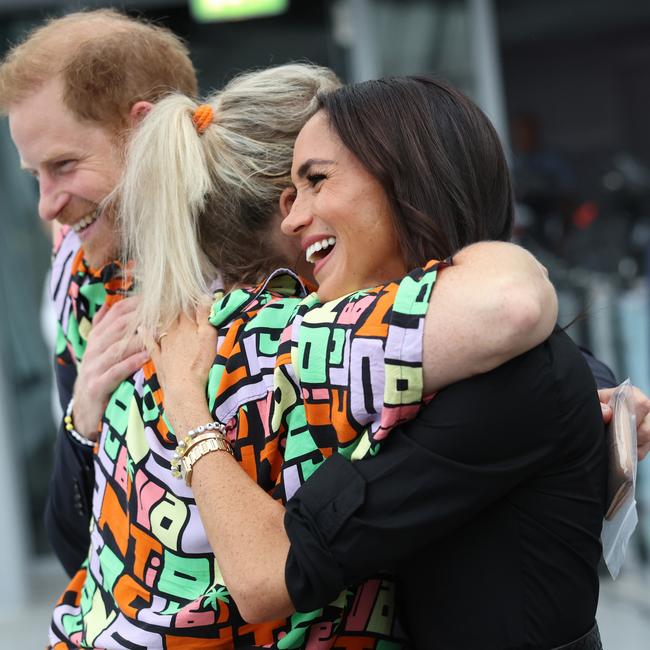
column 314, row 179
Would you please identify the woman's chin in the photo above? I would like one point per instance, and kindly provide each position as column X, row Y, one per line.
column 324, row 293
column 329, row 289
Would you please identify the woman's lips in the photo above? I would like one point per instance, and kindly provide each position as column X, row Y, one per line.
column 321, row 262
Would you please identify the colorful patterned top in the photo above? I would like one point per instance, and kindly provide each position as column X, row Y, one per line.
column 78, row 291
column 151, row 580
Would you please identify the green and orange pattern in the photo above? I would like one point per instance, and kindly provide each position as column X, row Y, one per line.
column 295, row 381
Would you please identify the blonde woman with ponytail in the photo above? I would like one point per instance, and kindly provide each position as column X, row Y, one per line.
column 205, row 190
column 204, row 204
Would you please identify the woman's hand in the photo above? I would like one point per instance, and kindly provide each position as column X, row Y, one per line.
column 183, row 356
column 641, row 404
column 235, row 511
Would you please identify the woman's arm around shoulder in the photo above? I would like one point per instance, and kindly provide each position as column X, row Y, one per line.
column 494, row 303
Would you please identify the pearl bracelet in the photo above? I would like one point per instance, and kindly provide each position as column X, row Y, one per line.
column 69, row 427
column 198, row 442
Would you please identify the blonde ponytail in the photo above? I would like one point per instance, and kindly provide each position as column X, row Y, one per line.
column 162, row 196
column 193, row 204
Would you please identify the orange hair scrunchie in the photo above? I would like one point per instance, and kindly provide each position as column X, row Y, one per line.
column 202, row 118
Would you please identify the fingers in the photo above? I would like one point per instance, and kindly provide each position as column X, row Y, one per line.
column 607, row 412
column 643, row 451
column 124, row 348
column 642, row 412
column 643, row 434
column 99, row 315
column 112, row 325
column 99, row 360
column 113, row 353
column 122, row 370
column 120, row 308
column 93, row 391
column 107, row 378
column 184, row 356
column 605, row 394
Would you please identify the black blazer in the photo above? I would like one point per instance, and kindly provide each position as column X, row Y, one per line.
column 69, row 502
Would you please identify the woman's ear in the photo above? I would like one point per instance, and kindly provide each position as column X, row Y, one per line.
column 287, row 198
column 138, row 112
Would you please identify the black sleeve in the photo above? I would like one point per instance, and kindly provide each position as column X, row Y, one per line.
column 602, row 374
column 68, row 507
column 465, row 450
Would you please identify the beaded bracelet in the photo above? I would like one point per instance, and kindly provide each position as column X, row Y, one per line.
column 69, row 427
column 198, row 442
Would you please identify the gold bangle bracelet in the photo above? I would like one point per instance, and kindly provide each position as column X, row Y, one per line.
column 194, row 447
column 200, row 449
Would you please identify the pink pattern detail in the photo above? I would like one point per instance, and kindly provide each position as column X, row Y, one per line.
column 320, row 637
column 320, row 394
column 121, row 475
column 152, row 571
column 351, row 312
column 190, row 618
column 149, row 494
column 264, row 407
column 362, row 607
column 392, row 416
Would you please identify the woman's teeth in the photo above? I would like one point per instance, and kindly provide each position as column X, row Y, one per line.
column 318, row 246
column 86, row 221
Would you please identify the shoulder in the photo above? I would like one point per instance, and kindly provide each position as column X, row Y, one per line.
column 543, row 388
column 551, row 389
column 567, row 366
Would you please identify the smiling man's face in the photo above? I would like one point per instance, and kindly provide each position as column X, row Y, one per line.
column 77, row 164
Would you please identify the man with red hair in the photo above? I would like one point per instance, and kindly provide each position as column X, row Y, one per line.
column 73, row 89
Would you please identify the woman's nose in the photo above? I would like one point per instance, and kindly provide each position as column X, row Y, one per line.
column 298, row 218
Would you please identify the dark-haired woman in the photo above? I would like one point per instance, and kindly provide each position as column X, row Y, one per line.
column 487, row 508
column 196, row 179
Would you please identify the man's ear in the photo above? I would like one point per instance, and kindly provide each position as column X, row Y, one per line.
column 287, row 198
column 138, row 111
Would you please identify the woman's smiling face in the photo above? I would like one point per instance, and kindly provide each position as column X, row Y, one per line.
column 341, row 215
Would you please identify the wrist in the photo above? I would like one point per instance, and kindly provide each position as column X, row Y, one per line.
column 187, row 407
column 184, row 391
column 69, row 425
column 183, row 417
column 198, row 442
column 82, row 427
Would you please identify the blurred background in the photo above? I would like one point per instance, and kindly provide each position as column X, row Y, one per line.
column 567, row 84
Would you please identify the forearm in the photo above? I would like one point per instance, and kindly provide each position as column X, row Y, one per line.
column 244, row 526
column 493, row 304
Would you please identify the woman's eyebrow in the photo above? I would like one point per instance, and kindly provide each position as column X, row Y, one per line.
column 304, row 168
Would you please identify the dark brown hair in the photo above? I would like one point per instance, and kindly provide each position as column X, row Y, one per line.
column 437, row 157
